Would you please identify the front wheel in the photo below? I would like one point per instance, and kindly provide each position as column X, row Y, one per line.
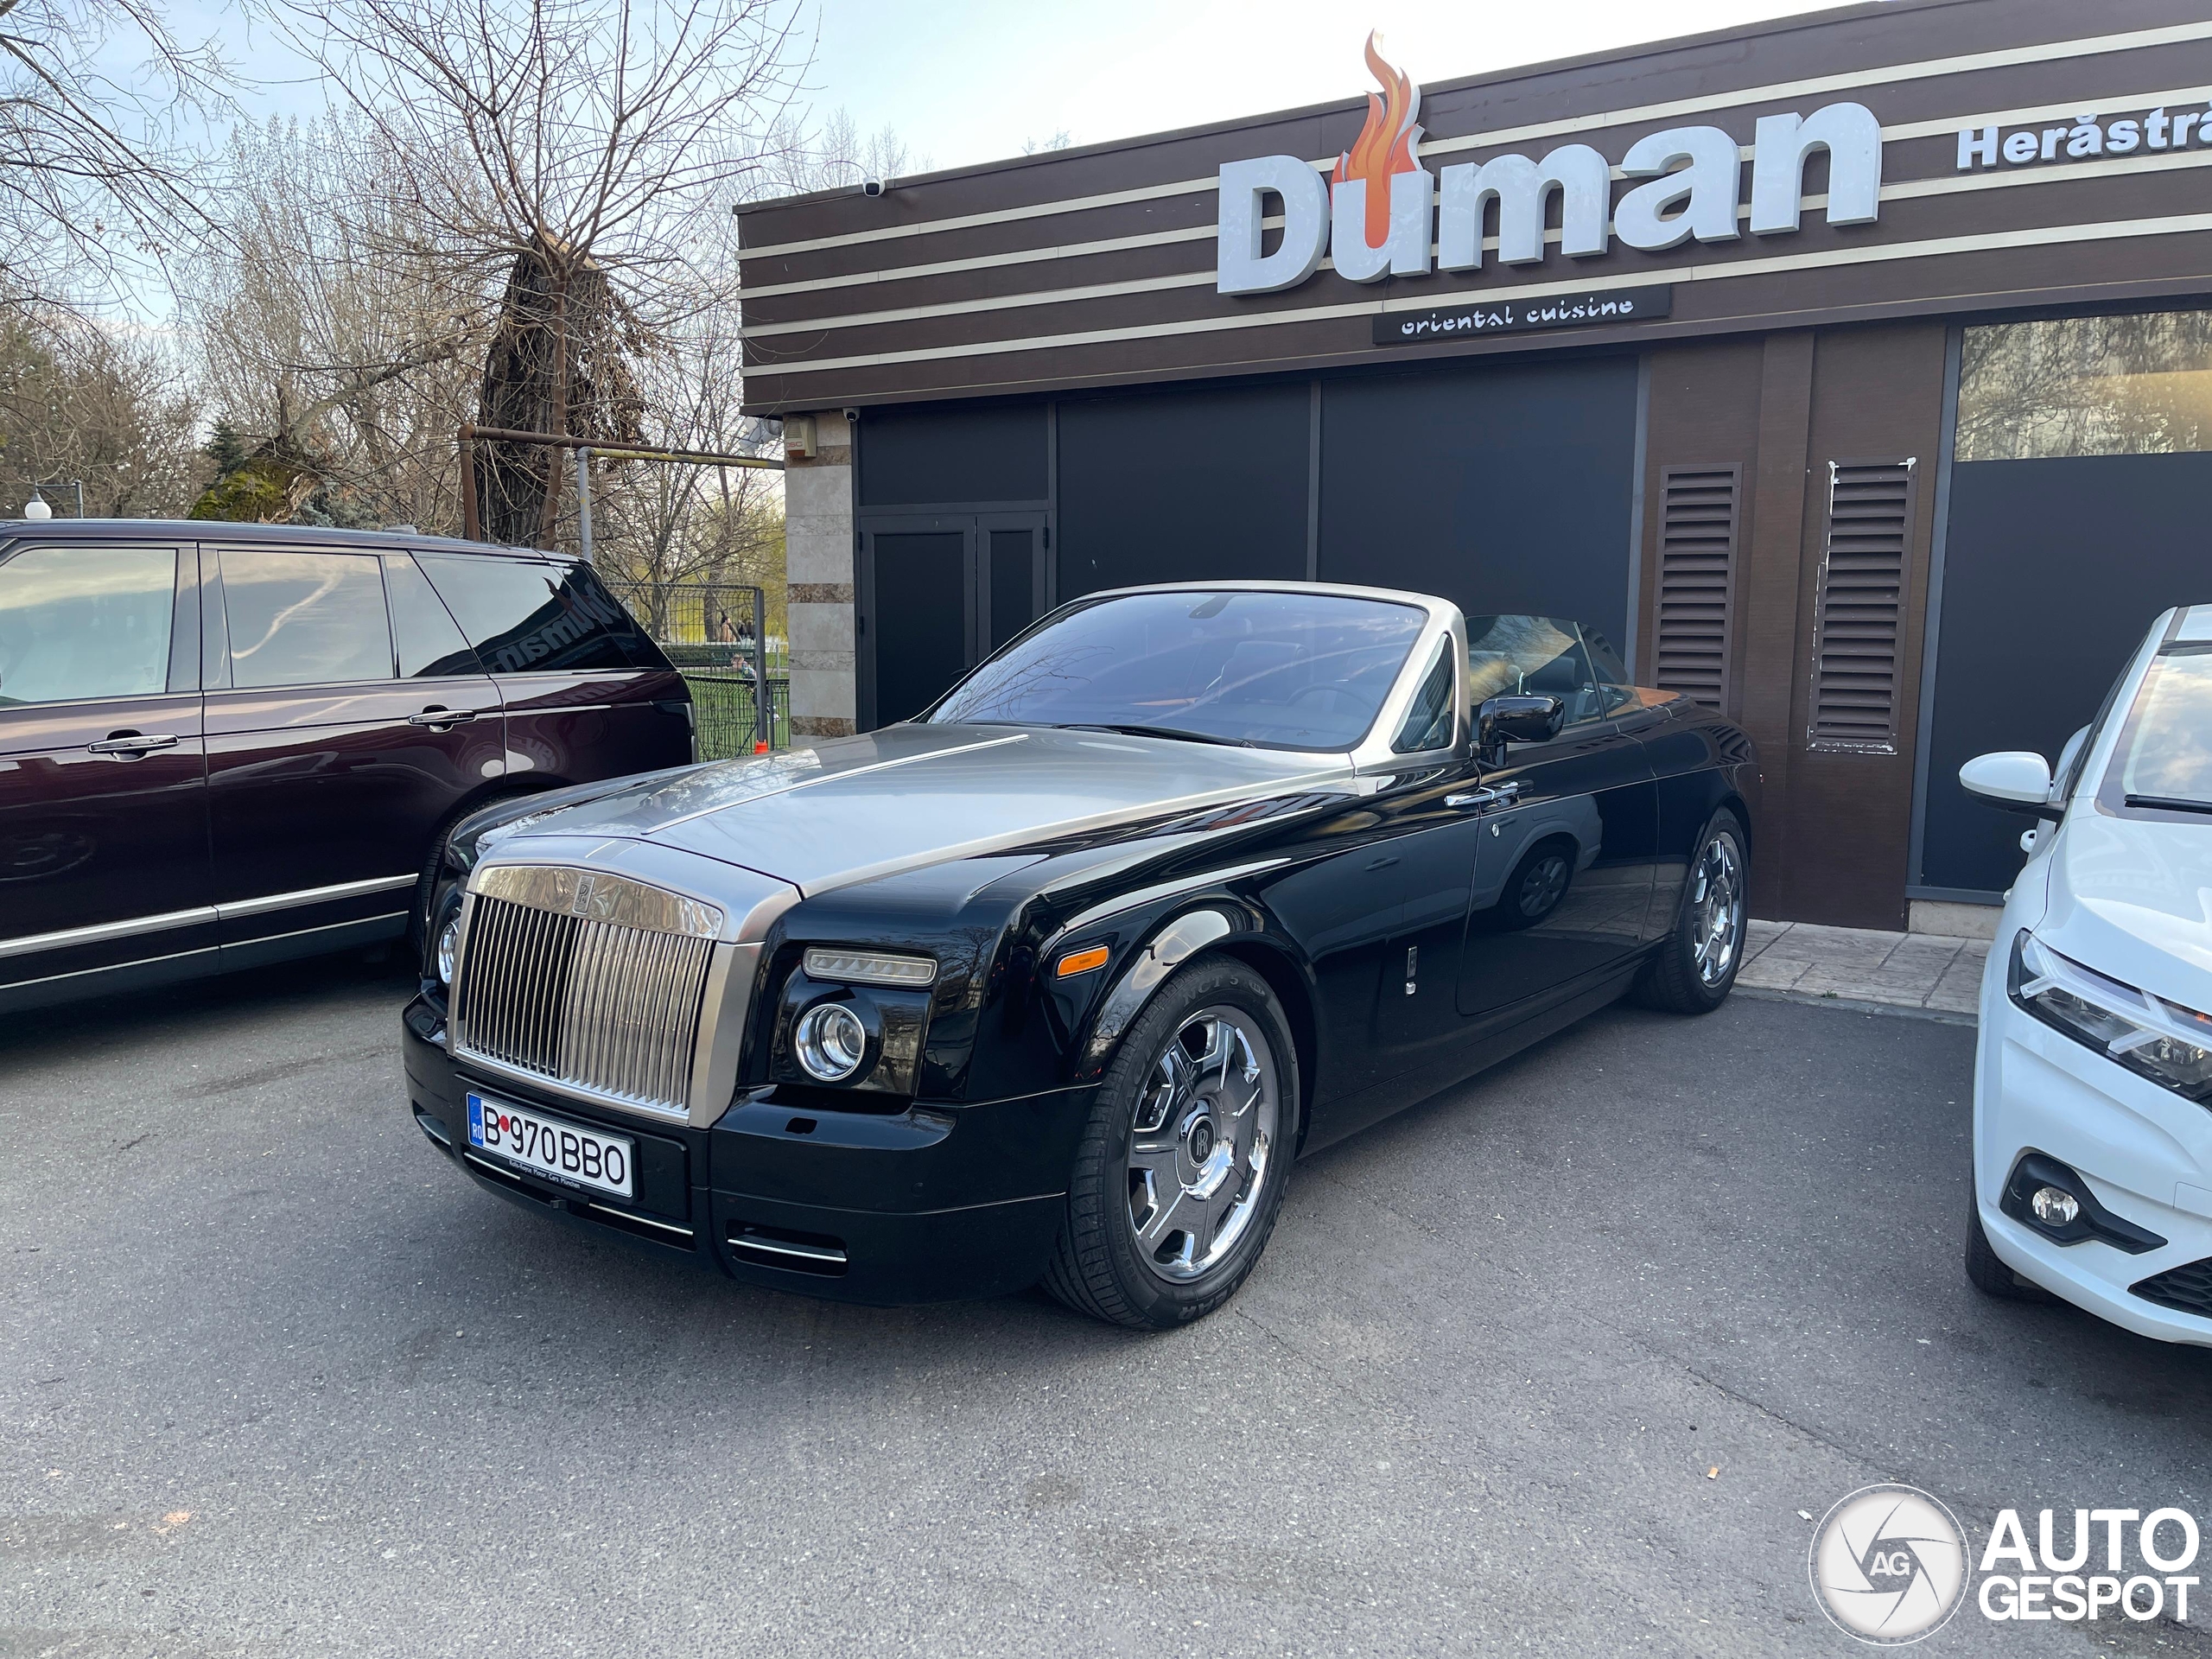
column 1180, row 1171
column 1696, row 968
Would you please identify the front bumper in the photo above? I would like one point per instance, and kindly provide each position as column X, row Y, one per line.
column 2145, row 1152
column 938, row 1203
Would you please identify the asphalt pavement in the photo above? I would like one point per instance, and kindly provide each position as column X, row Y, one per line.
column 1566, row 1360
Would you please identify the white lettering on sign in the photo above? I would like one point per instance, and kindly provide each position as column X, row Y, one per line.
column 1692, row 194
column 2086, row 137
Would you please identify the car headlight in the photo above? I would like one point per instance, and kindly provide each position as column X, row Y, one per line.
column 830, row 1042
column 448, row 947
column 2164, row 1041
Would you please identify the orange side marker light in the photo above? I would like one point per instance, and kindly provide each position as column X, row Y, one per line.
column 1082, row 962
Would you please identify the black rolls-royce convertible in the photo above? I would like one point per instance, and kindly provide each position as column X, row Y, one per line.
column 1056, row 981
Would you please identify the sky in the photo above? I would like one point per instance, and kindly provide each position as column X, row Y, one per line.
column 970, row 80
column 965, row 81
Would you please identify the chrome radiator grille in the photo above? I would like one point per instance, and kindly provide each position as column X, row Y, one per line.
column 585, row 979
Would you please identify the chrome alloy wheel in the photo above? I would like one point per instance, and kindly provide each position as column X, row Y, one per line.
column 1199, row 1149
column 1717, row 909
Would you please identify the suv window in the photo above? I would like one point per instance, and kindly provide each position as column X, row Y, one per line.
column 78, row 622
column 305, row 618
column 524, row 615
column 1532, row 654
column 430, row 644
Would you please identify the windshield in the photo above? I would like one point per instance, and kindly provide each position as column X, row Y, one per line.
column 2164, row 758
column 1273, row 671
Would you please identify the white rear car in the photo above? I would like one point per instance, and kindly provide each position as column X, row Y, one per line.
column 2093, row 1077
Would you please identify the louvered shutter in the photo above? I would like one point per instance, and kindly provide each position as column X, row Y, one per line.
column 1698, row 513
column 1861, row 607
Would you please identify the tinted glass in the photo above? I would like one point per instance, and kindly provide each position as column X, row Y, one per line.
column 2070, row 387
column 1276, row 670
column 524, row 615
column 1427, row 724
column 1614, row 685
column 2164, row 757
column 305, row 618
column 1535, row 655
column 85, row 622
column 429, row 643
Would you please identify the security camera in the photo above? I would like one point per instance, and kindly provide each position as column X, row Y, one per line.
column 872, row 187
column 851, row 416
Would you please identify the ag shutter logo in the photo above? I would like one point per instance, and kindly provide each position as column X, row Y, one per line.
column 1889, row 1565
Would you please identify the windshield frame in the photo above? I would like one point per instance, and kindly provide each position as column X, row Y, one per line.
column 1440, row 620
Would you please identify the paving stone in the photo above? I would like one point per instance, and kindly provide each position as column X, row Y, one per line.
column 1759, row 935
column 1772, row 973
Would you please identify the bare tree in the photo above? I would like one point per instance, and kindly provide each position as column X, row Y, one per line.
column 568, row 151
column 336, row 340
column 94, row 177
column 82, row 405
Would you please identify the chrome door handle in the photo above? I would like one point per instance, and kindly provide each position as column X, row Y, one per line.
column 1480, row 798
column 441, row 718
column 130, row 743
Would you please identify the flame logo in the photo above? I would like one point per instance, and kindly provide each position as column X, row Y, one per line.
column 1386, row 144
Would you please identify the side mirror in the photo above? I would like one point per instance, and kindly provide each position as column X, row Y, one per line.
column 1507, row 720
column 2012, row 778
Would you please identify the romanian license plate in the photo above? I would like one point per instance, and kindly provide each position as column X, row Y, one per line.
column 552, row 1147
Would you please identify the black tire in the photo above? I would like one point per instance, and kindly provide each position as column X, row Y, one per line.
column 1676, row 980
column 1986, row 1269
column 426, row 879
column 1098, row 1265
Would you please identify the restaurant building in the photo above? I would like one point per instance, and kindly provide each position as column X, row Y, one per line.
column 1852, row 373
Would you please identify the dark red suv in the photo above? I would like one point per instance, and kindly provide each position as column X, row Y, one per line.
column 227, row 745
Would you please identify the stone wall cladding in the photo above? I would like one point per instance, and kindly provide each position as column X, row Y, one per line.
column 818, row 566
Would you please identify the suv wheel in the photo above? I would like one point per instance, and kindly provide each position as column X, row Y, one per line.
column 1180, row 1171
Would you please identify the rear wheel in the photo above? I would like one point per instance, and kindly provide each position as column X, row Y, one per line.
column 1696, row 968
column 1180, row 1171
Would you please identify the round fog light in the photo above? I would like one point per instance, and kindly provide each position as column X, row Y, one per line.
column 448, row 947
column 2054, row 1206
column 830, row 1041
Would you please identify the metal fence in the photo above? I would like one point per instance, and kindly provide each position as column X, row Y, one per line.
column 714, row 634
column 728, row 712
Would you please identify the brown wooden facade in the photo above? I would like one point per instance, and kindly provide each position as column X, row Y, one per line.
column 1793, row 402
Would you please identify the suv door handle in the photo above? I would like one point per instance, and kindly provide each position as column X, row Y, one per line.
column 129, row 745
column 1480, row 799
column 441, row 718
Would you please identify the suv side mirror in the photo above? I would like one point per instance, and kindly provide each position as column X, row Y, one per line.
column 2016, row 778
column 1507, row 720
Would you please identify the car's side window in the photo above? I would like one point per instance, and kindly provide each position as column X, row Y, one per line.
column 1428, row 722
column 524, row 615
column 305, row 618
column 429, row 642
column 77, row 623
column 1533, row 654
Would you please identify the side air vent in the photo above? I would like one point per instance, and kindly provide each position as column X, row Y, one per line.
column 1861, row 607
column 1698, row 513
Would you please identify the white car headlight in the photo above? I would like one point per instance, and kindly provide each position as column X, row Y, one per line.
column 2164, row 1041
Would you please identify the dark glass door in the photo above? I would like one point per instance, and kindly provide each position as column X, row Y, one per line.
column 937, row 595
column 916, row 605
